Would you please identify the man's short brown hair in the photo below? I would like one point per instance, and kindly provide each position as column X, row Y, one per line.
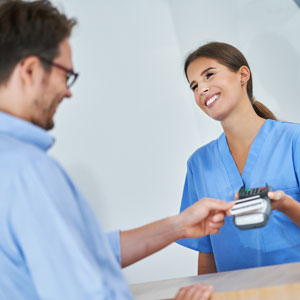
column 30, row 28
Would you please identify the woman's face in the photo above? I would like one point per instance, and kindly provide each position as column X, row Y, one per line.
column 217, row 90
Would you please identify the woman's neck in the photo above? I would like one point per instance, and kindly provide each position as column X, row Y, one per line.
column 242, row 127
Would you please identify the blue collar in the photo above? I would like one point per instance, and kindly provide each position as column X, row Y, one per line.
column 25, row 131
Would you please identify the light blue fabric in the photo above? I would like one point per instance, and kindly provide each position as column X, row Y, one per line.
column 274, row 158
column 51, row 245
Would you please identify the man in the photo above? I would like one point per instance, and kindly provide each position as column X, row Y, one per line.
column 51, row 246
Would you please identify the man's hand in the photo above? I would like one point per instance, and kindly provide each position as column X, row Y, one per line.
column 205, row 217
column 199, row 291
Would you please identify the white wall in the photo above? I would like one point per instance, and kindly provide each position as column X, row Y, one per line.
column 127, row 132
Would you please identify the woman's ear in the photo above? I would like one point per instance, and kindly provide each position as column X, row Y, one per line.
column 244, row 74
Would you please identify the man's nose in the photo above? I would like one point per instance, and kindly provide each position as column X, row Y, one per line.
column 68, row 93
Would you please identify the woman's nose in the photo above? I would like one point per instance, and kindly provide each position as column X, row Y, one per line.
column 202, row 90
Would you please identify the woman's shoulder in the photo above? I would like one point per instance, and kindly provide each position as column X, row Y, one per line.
column 287, row 127
column 205, row 151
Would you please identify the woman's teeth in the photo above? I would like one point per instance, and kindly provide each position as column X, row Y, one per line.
column 212, row 99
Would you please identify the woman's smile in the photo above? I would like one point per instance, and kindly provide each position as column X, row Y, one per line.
column 210, row 100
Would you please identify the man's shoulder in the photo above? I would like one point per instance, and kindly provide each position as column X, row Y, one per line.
column 16, row 156
column 29, row 175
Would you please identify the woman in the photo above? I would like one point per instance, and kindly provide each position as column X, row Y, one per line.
column 253, row 150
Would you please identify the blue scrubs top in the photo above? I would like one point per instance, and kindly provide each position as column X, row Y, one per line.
column 274, row 158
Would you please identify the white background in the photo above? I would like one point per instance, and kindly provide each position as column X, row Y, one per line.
column 131, row 124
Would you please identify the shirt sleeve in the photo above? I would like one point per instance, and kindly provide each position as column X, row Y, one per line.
column 189, row 197
column 114, row 241
column 296, row 157
column 67, row 254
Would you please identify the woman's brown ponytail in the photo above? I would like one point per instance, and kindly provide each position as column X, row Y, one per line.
column 261, row 110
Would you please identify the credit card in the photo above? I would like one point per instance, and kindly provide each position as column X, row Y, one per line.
column 248, row 206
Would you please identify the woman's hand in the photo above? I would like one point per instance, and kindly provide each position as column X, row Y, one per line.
column 285, row 204
column 280, row 200
column 199, row 291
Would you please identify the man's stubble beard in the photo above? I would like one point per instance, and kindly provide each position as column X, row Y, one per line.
column 44, row 116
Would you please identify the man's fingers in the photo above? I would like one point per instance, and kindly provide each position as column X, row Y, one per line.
column 216, row 224
column 218, row 217
column 214, row 228
column 192, row 291
column 215, row 204
column 207, row 292
column 214, row 231
column 206, row 295
column 197, row 291
column 181, row 293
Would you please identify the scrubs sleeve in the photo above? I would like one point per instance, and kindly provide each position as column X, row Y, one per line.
column 114, row 241
column 189, row 197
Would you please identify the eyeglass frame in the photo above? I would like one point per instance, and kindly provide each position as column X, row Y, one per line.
column 68, row 71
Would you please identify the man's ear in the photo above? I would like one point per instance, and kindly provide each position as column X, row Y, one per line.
column 30, row 71
column 244, row 74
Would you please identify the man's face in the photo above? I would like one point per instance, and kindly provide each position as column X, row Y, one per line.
column 53, row 89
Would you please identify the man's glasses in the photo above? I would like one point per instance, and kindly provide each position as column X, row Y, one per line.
column 71, row 76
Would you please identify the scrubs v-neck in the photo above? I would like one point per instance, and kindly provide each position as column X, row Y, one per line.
column 273, row 158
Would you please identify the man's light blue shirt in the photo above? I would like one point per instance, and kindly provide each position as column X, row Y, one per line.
column 51, row 245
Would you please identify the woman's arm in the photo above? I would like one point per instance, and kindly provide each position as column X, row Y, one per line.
column 286, row 204
column 206, row 263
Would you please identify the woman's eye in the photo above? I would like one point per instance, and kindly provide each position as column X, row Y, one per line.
column 194, row 87
column 208, row 75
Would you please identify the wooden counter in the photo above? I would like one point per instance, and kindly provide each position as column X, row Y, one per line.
column 258, row 283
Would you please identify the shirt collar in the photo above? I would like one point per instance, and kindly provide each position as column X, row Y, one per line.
column 25, row 131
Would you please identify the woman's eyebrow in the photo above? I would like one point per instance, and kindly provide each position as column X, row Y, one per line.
column 210, row 68
column 192, row 83
column 203, row 72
